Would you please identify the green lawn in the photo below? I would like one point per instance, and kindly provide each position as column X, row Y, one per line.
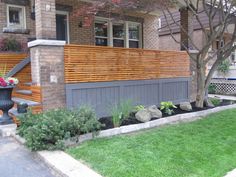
column 205, row 148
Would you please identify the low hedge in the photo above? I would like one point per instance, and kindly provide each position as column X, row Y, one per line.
column 49, row 130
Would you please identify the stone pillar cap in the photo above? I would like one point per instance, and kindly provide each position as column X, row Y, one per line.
column 44, row 42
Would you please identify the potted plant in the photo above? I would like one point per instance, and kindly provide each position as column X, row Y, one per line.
column 6, row 103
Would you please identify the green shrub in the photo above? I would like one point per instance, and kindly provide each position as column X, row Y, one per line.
column 49, row 130
column 224, row 67
column 10, row 44
column 139, row 108
column 167, row 107
column 121, row 112
column 215, row 101
column 212, row 89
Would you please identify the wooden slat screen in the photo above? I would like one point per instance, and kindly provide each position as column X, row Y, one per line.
column 97, row 64
column 24, row 76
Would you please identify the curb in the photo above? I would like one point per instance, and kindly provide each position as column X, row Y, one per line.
column 231, row 174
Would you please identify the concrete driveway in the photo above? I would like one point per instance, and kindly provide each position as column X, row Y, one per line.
column 17, row 161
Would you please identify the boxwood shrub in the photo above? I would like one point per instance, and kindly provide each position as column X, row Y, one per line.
column 49, row 130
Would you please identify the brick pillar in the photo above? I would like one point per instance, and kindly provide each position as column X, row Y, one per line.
column 150, row 32
column 45, row 18
column 47, row 65
column 186, row 21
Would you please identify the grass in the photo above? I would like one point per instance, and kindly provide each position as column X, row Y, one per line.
column 205, row 148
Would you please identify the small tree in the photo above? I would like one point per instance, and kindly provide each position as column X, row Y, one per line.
column 220, row 15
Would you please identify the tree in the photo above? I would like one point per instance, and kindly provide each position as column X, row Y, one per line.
column 221, row 15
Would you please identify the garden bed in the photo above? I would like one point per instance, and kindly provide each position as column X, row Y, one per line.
column 107, row 121
column 201, row 148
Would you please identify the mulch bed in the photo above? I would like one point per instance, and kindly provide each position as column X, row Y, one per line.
column 107, row 121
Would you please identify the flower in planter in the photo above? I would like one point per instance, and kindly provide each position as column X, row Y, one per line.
column 10, row 81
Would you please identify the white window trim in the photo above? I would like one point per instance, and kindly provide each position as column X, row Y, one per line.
column 126, row 39
column 108, row 29
column 68, row 23
column 23, row 13
column 140, row 33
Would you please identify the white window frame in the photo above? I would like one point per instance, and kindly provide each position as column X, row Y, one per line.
column 126, row 28
column 125, row 36
column 97, row 19
column 140, row 34
column 21, row 26
column 59, row 12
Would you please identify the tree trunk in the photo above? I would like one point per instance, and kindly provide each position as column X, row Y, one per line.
column 201, row 89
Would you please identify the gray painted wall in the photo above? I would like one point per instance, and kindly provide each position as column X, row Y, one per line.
column 102, row 95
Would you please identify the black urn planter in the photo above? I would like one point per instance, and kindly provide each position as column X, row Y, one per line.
column 6, row 104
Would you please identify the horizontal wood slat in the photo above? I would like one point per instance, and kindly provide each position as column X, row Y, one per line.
column 24, row 76
column 97, row 64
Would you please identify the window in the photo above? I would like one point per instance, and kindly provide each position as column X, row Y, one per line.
column 101, row 33
column 16, row 17
column 117, row 34
column 134, row 35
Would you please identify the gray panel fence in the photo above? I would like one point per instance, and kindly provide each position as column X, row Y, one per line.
column 102, row 95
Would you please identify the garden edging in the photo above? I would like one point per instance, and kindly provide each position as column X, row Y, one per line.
column 187, row 117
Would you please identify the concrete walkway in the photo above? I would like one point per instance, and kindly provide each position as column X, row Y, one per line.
column 16, row 161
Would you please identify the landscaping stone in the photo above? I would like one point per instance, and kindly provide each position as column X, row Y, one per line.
column 186, row 106
column 143, row 115
column 154, row 111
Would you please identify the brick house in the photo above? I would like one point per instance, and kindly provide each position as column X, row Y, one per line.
column 72, row 63
column 17, row 19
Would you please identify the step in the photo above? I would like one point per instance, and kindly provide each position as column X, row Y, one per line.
column 30, row 103
column 14, row 112
column 24, row 92
column 28, row 83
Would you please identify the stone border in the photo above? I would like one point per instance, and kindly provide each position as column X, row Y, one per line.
column 187, row 117
column 231, row 174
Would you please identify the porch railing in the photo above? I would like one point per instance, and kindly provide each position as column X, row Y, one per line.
column 103, row 64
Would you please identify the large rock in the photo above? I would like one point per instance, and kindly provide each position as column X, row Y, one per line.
column 143, row 115
column 154, row 111
column 186, row 106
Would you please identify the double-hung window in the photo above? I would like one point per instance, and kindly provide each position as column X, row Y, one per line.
column 117, row 34
column 134, row 35
column 101, row 33
column 16, row 17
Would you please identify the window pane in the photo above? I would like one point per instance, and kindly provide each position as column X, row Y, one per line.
column 133, row 44
column 118, row 43
column 101, row 29
column 118, row 31
column 15, row 15
column 134, row 31
column 101, row 42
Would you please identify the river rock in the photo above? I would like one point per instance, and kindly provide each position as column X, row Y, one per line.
column 143, row 115
column 186, row 106
column 154, row 111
